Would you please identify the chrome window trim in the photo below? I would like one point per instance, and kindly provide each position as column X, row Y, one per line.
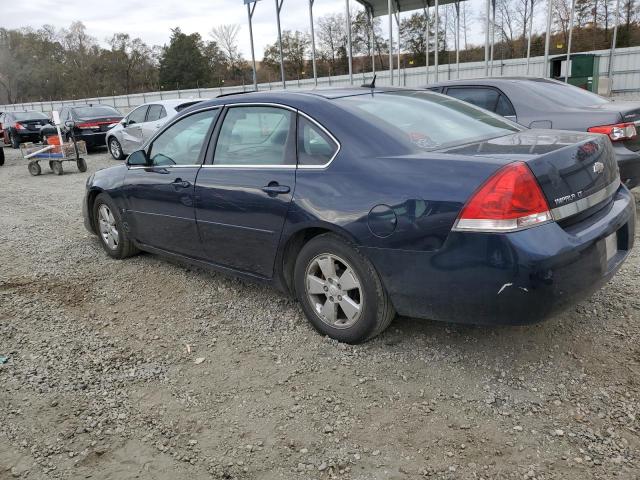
column 330, row 135
column 565, row 211
column 248, row 104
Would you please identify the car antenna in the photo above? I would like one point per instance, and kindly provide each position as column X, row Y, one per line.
column 371, row 85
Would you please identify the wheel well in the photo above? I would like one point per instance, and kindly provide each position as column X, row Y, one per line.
column 292, row 249
column 91, row 200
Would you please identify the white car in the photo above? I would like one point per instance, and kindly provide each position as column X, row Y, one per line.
column 135, row 129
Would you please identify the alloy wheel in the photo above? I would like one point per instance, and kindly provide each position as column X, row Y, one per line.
column 115, row 148
column 334, row 290
column 108, row 230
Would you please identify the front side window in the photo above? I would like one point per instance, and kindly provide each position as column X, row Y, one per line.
column 156, row 112
column 315, row 147
column 138, row 115
column 255, row 136
column 182, row 142
column 428, row 120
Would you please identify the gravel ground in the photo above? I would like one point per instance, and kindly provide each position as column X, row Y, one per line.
column 148, row 369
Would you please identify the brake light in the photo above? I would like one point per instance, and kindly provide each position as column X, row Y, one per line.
column 89, row 125
column 617, row 132
column 510, row 200
column 19, row 126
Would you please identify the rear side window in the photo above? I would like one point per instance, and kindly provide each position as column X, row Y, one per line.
column 486, row 98
column 255, row 136
column 427, row 120
column 504, row 107
column 181, row 143
column 156, row 112
column 315, row 147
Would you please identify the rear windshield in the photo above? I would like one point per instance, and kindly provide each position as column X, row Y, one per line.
column 563, row 94
column 22, row 116
column 430, row 121
column 95, row 112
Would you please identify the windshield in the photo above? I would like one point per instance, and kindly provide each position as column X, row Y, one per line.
column 428, row 120
column 95, row 112
column 563, row 94
column 22, row 116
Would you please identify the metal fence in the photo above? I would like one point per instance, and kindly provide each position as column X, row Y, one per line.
column 625, row 81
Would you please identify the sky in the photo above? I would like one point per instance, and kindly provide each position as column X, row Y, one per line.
column 151, row 20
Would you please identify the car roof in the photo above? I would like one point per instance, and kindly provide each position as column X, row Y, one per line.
column 174, row 101
column 291, row 96
column 492, row 81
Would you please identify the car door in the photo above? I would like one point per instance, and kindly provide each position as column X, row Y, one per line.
column 488, row 98
column 156, row 117
column 243, row 193
column 132, row 129
column 159, row 197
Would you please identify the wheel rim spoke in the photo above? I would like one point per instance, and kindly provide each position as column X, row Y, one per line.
column 330, row 311
column 315, row 285
column 328, row 267
column 350, row 308
column 348, row 281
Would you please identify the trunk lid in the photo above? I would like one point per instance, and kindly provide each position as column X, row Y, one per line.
column 575, row 170
column 33, row 125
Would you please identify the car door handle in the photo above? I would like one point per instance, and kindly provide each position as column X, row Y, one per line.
column 275, row 189
column 179, row 183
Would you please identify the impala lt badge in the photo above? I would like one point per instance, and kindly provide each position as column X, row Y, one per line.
column 598, row 167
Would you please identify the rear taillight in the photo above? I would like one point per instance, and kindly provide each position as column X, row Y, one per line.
column 89, row 125
column 510, row 200
column 19, row 126
column 617, row 132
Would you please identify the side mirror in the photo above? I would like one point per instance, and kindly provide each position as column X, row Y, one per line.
column 70, row 123
column 124, row 122
column 138, row 159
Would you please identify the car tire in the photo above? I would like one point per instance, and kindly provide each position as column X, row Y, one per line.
column 81, row 163
column 34, row 168
column 106, row 218
column 56, row 166
column 1, row 155
column 15, row 143
column 340, row 291
column 115, row 149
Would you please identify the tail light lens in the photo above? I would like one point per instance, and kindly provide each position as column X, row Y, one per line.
column 510, row 200
column 19, row 126
column 89, row 125
column 617, row 132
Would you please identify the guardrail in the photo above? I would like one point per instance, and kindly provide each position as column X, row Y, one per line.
column 625, row 81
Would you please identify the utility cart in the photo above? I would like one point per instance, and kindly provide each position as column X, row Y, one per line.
column 55, row 155
column 55, row 150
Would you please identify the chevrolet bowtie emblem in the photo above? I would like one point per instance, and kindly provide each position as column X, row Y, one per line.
column 598, row 167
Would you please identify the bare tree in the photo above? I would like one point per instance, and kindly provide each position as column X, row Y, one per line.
column 227, row 38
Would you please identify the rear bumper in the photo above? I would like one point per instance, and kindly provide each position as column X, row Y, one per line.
column 514, row 278
column 97, row 139
column 629, row 164
column 28, row 136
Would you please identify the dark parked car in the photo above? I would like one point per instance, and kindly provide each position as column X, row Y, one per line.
column 21, row 127
column 545, row 103
column 367, row 202
column 91, row 123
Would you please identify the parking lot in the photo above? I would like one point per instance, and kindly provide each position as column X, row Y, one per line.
column 148, row 369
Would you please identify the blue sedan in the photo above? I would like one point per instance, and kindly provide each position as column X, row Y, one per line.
column 364, row 203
